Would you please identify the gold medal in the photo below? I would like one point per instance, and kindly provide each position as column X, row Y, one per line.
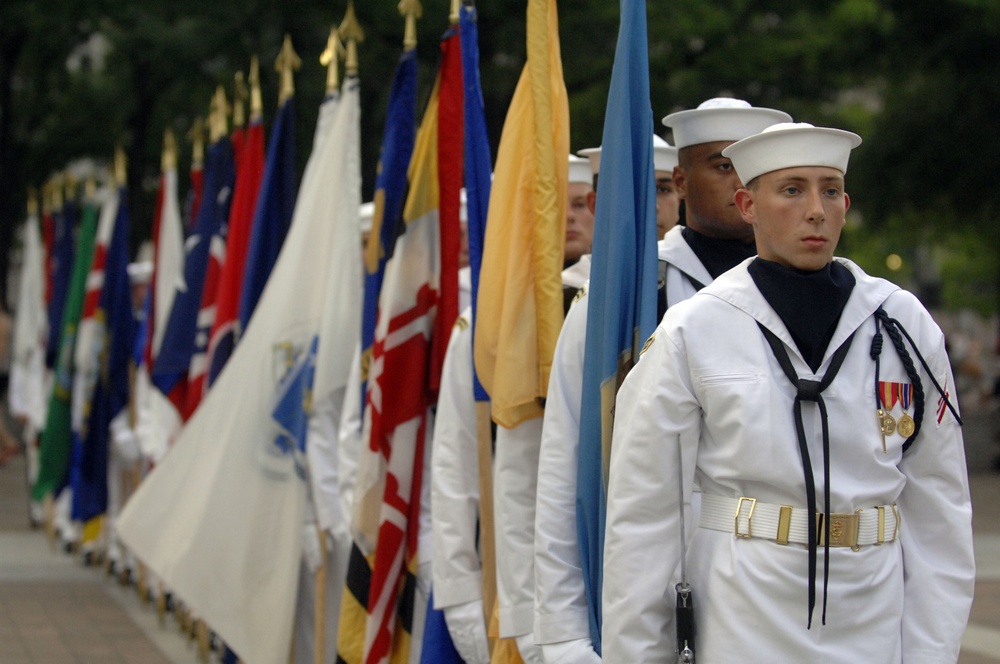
column 888, row 422
column 906, row 425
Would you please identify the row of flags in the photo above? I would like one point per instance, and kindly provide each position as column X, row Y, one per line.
column 256, row 313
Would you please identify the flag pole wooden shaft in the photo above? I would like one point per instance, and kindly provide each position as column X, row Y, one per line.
column 319, row 608
column 487, row 534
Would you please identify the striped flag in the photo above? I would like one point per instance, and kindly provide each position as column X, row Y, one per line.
column 622, row 292
column 520, row 311
column 60, row 266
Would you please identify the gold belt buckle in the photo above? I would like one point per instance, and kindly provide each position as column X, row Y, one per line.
column 843, row 530
column 739, row 508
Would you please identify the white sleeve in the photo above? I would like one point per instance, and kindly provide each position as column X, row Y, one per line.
column 515, row 480
column 936, row 531
column 560, row 598
column 454, row 480
column 349, row 438
column 324, row 474
column 657, row 418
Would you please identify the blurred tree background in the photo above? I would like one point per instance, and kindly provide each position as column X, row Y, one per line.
column 918, row 79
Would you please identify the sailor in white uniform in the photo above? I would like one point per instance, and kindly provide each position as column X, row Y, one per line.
column 810, row 405
column 689, row 259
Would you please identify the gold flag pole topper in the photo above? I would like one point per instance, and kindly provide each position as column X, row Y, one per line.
column 197, row 138
column 168, row 161
column 351, row 32
column 330, row 58
column 218, row 115
column 256, row 101
column 121, row 167
column 240, row 95
column 286, row 64
column 412, row 10
column 32, row 202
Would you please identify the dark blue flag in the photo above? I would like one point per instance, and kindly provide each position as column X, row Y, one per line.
column 61, row 270
column 172, row 364
column 111, row 393
column 477, row 163
column 273, row 213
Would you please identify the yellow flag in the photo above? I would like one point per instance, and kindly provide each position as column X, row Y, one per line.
column 519, row 311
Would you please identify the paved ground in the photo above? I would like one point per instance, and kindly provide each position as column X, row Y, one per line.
column 55, row 611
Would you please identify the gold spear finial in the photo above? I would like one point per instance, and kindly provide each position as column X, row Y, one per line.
column 168, row 162
column 197, row 138
column 240, row 94
column 121, row 166
column 71, row 183
column 46, row 197
column 412, row 10
column 32, row 202
column 218, row 118
column 330, row 58
column 456, row 6
column 56, row 192
column 90, row 187
column 286, row 64
column 256, row 101
column 351, row 32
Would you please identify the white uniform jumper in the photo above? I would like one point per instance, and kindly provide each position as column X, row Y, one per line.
column 709, row 393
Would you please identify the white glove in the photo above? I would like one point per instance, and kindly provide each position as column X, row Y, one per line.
column 312, row 548
column 467, row 628
column 124, row 439
column 576, row 651
column 530, row 651
column 424, row 576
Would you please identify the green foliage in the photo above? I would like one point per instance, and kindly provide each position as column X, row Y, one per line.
column 918, row 79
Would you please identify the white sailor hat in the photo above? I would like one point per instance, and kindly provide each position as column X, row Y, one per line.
column 579, row 170
column 140, row 272
column 593, row 155
column 365, row 214
column 791, row 144
column 721, row 119
column 664, row 155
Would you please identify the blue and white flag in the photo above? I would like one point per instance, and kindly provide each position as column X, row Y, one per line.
column 622, row 292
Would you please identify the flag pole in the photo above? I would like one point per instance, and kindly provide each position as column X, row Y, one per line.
column 286, row 64
column 330, row 58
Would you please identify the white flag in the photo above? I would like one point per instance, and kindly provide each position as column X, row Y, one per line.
column 27, row 394
column 158, row 419
column 219, row 519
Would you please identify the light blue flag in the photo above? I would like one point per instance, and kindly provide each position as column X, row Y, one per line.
column 622, row 291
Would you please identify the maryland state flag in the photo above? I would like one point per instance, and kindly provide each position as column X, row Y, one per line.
column 397, row 425
column 519, row 311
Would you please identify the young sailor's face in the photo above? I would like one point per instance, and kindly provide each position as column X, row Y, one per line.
column 579, row 222
column 707, row 181
column 668, row 203
column 797, row 215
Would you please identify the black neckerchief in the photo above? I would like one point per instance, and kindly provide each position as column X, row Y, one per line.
column 717, row 255
column 808, row 303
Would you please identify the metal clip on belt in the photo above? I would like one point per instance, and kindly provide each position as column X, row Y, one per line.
column 785, row 524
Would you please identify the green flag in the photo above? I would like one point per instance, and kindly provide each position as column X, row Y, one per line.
column 55, row 445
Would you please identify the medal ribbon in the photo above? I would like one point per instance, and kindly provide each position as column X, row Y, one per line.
column 905, row 394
